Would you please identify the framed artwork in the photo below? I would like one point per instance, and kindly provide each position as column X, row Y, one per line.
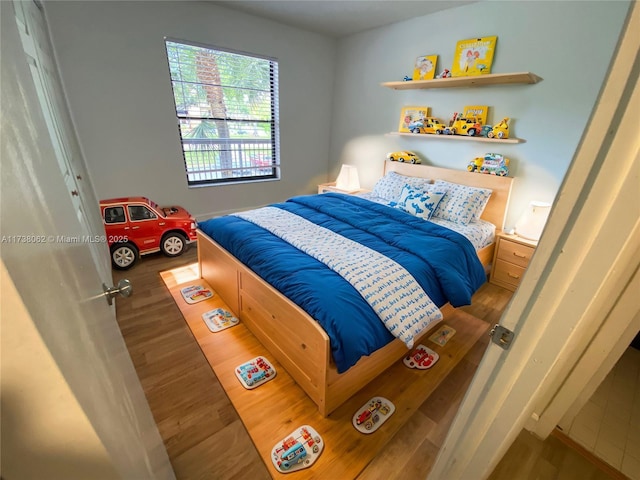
column 425, row 67
column 473, row 57
column 411, row 114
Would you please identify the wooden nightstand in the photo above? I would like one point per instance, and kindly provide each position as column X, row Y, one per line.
column 510, row 260
column 331, row 187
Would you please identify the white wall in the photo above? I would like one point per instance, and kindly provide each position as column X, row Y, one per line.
column 113, row 64
column 569, row 44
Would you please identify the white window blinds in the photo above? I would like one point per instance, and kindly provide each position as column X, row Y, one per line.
column 227, row 111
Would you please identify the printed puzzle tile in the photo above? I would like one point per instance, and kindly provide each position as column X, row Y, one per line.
column 195, row 293
column 219, row 319
column 255, row 372
column 373, row 414
column 298, row 450
column 421, row 358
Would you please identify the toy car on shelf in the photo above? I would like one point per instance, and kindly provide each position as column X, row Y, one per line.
column 403, row 156
column 491, row 163
column 485, row 130
column 427, row 125
column 136, row 226
column 501, row 130
column 464, row 126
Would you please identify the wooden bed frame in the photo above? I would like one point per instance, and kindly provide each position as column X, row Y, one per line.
column 293, row 337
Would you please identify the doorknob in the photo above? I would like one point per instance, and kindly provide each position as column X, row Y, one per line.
column 124, row 288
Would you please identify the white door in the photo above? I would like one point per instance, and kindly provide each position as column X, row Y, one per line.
column 54, row 254
column 587, row 257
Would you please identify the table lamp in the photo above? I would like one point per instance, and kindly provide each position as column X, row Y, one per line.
column 532, row 221
column 348, row 179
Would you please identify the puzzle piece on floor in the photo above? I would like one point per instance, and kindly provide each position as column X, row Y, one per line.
column 255, row 372
column 300, row 449
column 421, row 358
column 373, row 414
column 443, row 335
column 195, row 293
column 219, row 319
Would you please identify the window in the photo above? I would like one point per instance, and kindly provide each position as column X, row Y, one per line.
column 138, row 212
column 114, row 215
column 227, row 110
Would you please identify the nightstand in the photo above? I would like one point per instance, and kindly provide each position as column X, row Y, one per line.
column 331, row 187
column 510, row 260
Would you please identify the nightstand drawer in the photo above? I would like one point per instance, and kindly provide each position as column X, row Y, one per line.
column 514, row 252
column 505, row 273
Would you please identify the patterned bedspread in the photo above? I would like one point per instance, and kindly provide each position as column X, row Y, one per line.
column 442, row 261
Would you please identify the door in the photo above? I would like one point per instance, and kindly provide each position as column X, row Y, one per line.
column 55, row 255
column 586, row 258
column 145, row 227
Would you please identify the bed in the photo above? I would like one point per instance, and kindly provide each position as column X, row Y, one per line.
column 296, row 338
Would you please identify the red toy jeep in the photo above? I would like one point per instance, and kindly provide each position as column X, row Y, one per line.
column 136, row 226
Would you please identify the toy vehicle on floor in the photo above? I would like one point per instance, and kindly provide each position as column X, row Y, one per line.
column 464, row 126
column 403, row 156
column 491, row 163
column 501, row 130
column 136, row 226
column 427, row 125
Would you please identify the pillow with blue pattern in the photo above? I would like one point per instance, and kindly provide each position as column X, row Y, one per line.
column 462, row 204
column 418, row 202
column 390, row 186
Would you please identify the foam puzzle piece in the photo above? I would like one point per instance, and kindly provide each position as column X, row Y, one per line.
column 195, row 293
column 298, row 450
column 421, row 358
column 442, row 335
column 373, row 414
column 255, row 372
column 219, row 319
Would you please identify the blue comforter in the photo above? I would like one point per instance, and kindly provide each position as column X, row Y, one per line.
column 442, row 261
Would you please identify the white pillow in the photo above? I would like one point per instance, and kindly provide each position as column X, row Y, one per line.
column 390, row 186
column 419, row 202
column 462, row 204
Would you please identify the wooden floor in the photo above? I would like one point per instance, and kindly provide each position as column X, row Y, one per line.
column 272, row 411
column 203, row 434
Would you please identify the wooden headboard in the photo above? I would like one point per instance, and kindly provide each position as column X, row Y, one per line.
column 496, row 209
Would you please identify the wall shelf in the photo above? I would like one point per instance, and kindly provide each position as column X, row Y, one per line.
column 462, row 82
column 459, row 137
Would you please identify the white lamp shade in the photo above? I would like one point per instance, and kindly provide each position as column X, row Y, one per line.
column 348, row 179
column 532, row 221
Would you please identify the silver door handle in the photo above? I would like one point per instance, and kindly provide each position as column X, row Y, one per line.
column 124, row 289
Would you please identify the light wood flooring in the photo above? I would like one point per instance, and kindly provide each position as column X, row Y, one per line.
column 205, row 438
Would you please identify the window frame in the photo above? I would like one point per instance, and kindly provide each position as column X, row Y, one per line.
column 274, row 121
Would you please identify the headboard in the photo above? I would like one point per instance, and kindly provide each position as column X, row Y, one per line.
column 496, row 209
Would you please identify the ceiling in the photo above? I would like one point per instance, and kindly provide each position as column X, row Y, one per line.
column 340, row 18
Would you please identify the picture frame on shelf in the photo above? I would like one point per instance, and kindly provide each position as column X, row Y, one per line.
column 479, row 112
column 411, row 114
column 424, row 67
column 473, row 56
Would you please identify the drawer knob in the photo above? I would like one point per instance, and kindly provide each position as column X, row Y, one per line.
column 513, row 276
column 516, row 254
